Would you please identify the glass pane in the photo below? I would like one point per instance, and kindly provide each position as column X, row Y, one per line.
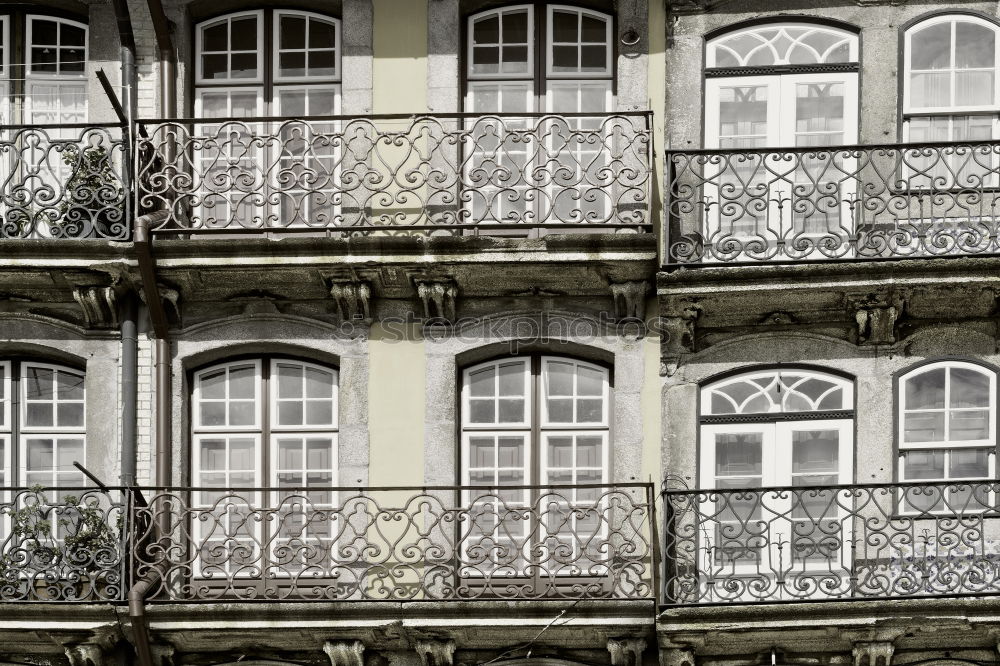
column 485, row 59
column 588, row 452
column 292, row 33
column 289, row 413
column 244, row 34
column 243, row 66
column 923, row 465
column 292, row 64
column 926, row 390
column 69, row 451
column 593, row 58
column 930, row 89
column 215, row 37
column 481, row 452
column 815, row 451
column 565, row 27
column 560, row 410
column 969, row 425
column 481, row 382
column 319, row 453
column 931, row 47
column 512, row 379
column 515, row 27
column 40, row 454
column 241, row 382
column 213, row 454
column 511, row 411
column 319, row 383
column 742, row 116
column 738, row 454
column 482, row 411
column 564, row 59
column 322, row 63
column 969, row 388
column 559, row 378
column 973, row 88
column 486, row 30
column 40, row 414
column 69, row 415
column 241, row 454
column 44, row 32
column 322, row 34
column 39, row 382
column 69, row 386
column 974, row 45
column 289, row 454
column 241, row 413
column 510, row 451
column 289, row 381
column 968, row 464
column 319, row 412
column 561, row 452
column 593, row 30
column 589, row 411
column 928, row 427
column 590, row 381
column 819, row 107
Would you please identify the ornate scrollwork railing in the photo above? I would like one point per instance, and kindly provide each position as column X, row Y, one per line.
column 392, row 543
column 427, row 174
column 832, row 202
column 63, row 545
column 63, row 181
column 832, row 542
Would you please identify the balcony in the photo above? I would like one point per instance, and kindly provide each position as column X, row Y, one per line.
column 460, row 543
column 328, row 544
column 457, row 174
column 822, row 203
column 817, row 543
column 63, row 545
column 63, row 181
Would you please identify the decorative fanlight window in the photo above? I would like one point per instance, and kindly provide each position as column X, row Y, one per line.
column 783, row 44
column 776, row 391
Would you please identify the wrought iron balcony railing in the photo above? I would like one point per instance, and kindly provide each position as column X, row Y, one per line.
column 454, row 543
column 63, row 181
column 66, row 544
column 811, row 543
column 832, row 202
column 437, row 174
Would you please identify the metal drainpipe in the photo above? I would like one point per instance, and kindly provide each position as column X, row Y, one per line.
column 130, row 387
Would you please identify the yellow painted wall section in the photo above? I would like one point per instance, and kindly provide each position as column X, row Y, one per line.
column 400, row 52
column 396, row 371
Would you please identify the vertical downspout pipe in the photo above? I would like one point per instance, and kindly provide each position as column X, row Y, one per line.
column 130, row 388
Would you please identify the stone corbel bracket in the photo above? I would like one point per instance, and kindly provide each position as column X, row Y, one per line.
column 436, row 652
column 86, row 655
column 438, row 297
column 353, row 299
column 677, row 656
column 626, row 651
column 677, row 333
column 167, row 295
column 99, row 305
column 873, row 653
column 345, row 653
column 630, row 300
column 877, row 317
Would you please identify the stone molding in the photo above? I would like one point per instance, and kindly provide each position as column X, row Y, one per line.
column 677, row 656
column 99, row 305
column 630, row 299
column 345, row 653
column 626, row 651
column 873, row 653
column 877, row 317
column 438, row 296
column 436, row 652
column 677, row 330
column 353, row 299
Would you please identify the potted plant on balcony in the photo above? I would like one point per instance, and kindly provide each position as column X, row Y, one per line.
column 93, row 196
column 59, row 550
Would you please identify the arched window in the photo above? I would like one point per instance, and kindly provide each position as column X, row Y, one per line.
column 295, row 71
column 777, row 428
column 264, row 421
column 42, row 424
column 536, row 420
column 539, row 58
column 947, row 423
column 274, row 62
column 763, row 89
column 43, row 63
column 950, row 79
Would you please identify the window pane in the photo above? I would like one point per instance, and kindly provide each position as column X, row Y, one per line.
column 213, row 454
column 738, row 454
column 561, row 452
column 69, row 386
column 815, row 451
column 923, row 465
column 969, row 388
column 512, row 411
column 560, row 378
column 926, row 390
column 322, row 34
column 319, row 383
column 241, row 454
column 974, row 45
column 564, row 59
column 289, row 413
column 481, row 452
column 319, row 412
column 68, row 452
column 930, row 90
column 72, row 35
column 69, row 415
column 39, row 383
column 481, row 382
column 973, row 88
column 322, row 63
column 512, row 379
column 242, row 382
column 289, row 381
column 969, row 464
column 588, row 452
column 292, row 33
column 244, row 34
column 214, row 66
column 319, row 453
column 515, row 27
column 40, row 454
column 44, row 32
column 594, row 30
column 927, row 427
column 244, row 66
column 215, row 37
column 510, row 452
column 565, row 27
column 486, row 30
column 290, row 454
column 292, row 64
column 969, row 425
column 931, row 47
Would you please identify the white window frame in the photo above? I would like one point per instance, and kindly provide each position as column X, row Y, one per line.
column 609, row 70
column 718, row 41
column 947, row 445
column 55, row 432
column 529, row 75
column 198, row 427
column 29, row 43
column 228, row 19
column 953, row 19
column 275, row 56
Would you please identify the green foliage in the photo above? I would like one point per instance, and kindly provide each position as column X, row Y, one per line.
column 83, row 526
column 93, row 192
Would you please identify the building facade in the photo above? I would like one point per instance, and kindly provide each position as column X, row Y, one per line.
column 441, row 332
